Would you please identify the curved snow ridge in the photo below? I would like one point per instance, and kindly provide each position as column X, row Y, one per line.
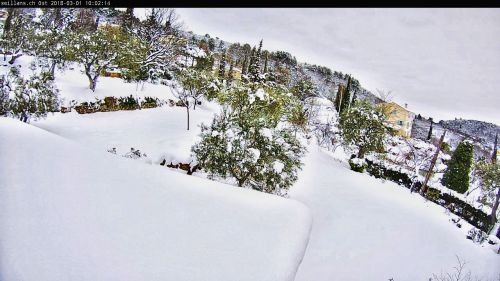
column 70, row 213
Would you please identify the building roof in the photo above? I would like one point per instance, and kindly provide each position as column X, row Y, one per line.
column 396, row 105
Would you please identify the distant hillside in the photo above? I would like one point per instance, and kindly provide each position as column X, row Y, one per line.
column 481, row 133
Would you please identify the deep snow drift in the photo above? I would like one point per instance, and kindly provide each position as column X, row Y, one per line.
column 70, row 213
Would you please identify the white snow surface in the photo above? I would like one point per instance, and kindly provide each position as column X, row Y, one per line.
column 71, row 213
column 368, row 229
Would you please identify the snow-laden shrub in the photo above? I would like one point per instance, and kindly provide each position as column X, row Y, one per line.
column 477, row 236
column 128, row 103
column 357, row 165
column 362, row 125
column 25, row 99
column 134, row 154
column 109, row 104
column 150, row 102
column 265, row 159
column 251, row 140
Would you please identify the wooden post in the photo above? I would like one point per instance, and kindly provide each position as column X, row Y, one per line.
column 433, row 163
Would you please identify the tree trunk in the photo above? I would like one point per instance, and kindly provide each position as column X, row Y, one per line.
column 361, row 152
column 494, row 210
column 14, row 58
column 433, row 163
column 187, row 110
column 53, row 71
column 92, row 80
column 92, row 84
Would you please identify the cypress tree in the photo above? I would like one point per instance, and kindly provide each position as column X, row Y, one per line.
column 429, row 135
column 254, row 69
column 265, row 63
column 346, row 97
column 252, row 58
column 222, row 66
column 456, row 175
column 494, row 155
column 230, row 77
column 244, row 65
column 339, row 98
column 354, row 96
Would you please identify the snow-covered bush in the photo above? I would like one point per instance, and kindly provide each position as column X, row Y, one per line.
column 357, row 165
column 477, row 235
column 489, row 177
column 251, row 140
column 362, row 125
column 27, row 98
column 128, row 103
column 150, row 102
column 262, row 158
column 134, row 154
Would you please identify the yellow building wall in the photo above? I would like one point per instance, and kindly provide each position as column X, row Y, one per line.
column 398, row 118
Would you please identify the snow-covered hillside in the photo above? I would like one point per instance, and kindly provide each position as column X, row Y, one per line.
column 71, row 213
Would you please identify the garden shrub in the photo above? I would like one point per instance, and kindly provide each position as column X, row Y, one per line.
column 128, row 103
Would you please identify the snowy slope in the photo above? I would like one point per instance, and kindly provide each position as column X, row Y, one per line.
column 367, row 229
column 71, row 213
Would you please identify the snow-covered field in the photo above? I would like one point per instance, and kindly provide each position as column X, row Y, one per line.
column 71, row 213
column 71, row 208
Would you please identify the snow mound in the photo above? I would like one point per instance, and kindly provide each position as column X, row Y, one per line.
column 70, row 213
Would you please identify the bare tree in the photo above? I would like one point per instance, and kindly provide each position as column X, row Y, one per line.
column 184, row 96
column 459, row 273
column 385, row 96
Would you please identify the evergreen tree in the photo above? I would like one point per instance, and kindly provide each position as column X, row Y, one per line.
column 495, row 147
column 254, row 68
column 230, row 77
column 222, row 66
column 25, row 99
column 251, row 61
column 489, row 176
column 304, row 89
column 456, row 175
column 128, row 21
column 355, row 95
column 429, row 135
column 339, row 97
column 244, row 65
column 363, row 126
column 265, row 63
column 346, row 96
column 18, row 33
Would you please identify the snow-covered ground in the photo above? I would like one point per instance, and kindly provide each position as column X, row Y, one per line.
column 363, row 228
column 367, row 229
column 71, row 213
